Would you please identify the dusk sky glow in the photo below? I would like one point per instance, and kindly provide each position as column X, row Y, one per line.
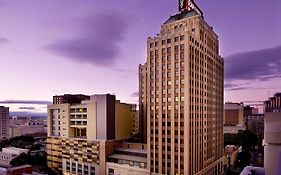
column 50, row 47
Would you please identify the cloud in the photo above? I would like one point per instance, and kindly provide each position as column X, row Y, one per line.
column 124, row 70
column 25, row 114
column 135, row 94
column 28, row 108
column 98, row 42
column 25, row 102
column 4, row 40
column 259, row 65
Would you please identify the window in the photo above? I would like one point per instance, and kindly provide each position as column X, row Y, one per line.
column 169, row 41
column 169, row 83
column 182, row 37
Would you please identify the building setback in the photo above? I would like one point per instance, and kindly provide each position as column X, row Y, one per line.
column 181, row 96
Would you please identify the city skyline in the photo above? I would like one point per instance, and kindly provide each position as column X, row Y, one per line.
column 42, row 60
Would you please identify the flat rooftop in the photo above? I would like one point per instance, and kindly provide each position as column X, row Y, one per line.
column 128, row 157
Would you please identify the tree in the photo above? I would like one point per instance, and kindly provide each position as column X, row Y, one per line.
column 247, row 139
column 230, row 139
column 22, row 141
column 20, row 160
column 244, row 159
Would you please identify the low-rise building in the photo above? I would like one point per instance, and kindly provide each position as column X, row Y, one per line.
column 10, row 153
column 14, row 150
column 130, row 159
column 20, row 130
column 6, row 158
column 82, row 132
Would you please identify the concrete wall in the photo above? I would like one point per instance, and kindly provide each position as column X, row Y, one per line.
column 91, row 120
column 62, row 117
column 105, row 116
column 123, row 121
column 125, row 169
column 272, row 139
column 6, row 158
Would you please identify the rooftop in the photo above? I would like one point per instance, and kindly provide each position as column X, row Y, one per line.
column 181, row 16
column 128, row 157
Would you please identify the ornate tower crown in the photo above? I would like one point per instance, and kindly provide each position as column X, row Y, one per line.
column 189, row 5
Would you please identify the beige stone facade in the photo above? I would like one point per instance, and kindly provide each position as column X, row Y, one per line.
column 181, row 94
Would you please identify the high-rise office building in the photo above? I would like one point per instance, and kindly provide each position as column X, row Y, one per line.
column 4, row 122
column 181, row 96
column 82, row 133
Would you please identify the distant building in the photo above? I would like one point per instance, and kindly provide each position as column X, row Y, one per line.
column 69, row 98
column 249, row 110
column 8, row 154
column 82, row 134
column 233, row 129
column 28, row 130
column 4, row 122
column 14, row 150
column 255, row 124
column 136, row 122
column 27, row 126
column 6, row 158
column 272, row 135
column 233, row 114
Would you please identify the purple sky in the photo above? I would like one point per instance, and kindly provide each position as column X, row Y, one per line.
column 92, row 46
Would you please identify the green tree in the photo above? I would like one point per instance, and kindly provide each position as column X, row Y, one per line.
column 244, row 159
column 247, row 139
column 20, row 160
column 22, row 141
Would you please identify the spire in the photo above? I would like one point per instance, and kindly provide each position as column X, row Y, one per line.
column 189, row 5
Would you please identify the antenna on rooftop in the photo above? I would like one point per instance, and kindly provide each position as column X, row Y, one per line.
column 189, row 5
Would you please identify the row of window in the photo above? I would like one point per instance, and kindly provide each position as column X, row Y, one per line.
column 167, row 41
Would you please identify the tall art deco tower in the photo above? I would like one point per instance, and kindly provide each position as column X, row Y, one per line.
column 181, row 96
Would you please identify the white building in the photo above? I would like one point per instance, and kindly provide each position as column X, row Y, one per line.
column 272, row 142
column 14, row 151
column 8, row 154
